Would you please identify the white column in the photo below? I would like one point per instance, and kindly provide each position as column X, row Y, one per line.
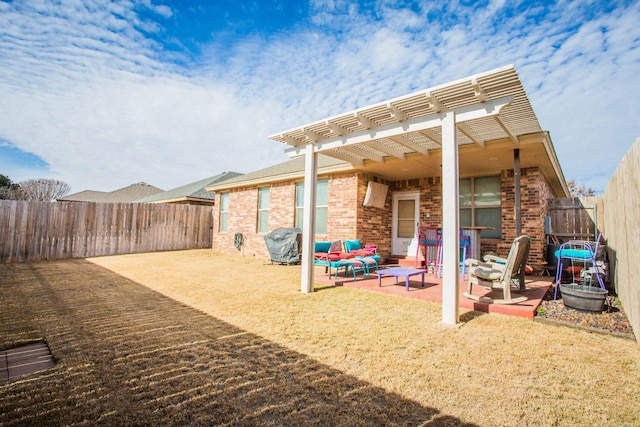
column 309, row 219
column 450, row 221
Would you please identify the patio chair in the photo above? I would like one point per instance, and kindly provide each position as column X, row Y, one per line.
column 328, row 254
column 430, row 239
column 355, row 248
column 494, row 275
column 357, row 265
column 465, row 250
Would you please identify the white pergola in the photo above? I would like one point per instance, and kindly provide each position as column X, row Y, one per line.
column 411, row 131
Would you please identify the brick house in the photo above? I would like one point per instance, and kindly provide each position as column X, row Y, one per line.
column 467, row 153
column 347, row 218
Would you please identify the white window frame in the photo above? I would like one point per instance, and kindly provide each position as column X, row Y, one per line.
column 473, row 208
column 263, row 212
column 321, row 227
column 223, row 220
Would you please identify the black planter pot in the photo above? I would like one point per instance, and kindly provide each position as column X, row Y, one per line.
column 585, row 298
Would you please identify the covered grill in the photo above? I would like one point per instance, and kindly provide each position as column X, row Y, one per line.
column 284, row 245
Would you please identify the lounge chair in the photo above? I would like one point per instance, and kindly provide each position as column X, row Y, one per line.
column 493, row 275
column 329, row 254
column 354, row 247
column 357, row 265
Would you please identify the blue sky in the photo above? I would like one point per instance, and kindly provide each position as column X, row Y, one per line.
column 103, row 94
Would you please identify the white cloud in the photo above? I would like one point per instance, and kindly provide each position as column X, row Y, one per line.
column 86, row 90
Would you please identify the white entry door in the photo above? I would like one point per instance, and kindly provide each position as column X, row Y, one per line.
column 406, row 217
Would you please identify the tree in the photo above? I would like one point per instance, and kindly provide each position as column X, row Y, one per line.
column 579, row 190
column 4, row 181
column 43, row 190
column 8, row 189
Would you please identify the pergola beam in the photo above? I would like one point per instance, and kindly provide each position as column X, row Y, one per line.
column 410, row 144
column 356, row 150
column 364, row 121
column 429, row 133
column 312, row 136
column 396, row 112
column 342, row 155
column 336, row 129
column 464, row 129
column 391, row 151
column 506, row 130
column 470, row 112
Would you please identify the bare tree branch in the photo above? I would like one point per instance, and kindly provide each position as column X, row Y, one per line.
column 43, row 190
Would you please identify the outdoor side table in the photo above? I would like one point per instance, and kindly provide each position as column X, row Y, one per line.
column 400, row 272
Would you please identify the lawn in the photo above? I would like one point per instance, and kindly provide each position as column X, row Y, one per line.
column 194, row 337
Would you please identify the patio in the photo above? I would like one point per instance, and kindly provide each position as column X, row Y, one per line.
column 537, row 287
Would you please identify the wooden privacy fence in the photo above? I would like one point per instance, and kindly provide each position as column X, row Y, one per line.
column 31, row 231
column 622, row 232
column 573, row 219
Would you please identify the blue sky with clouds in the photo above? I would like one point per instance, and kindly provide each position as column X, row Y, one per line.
column 103, row 94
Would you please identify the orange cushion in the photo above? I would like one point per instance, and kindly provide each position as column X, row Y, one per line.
column 362, row 252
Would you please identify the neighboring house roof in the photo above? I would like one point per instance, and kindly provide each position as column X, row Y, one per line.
column 292, row 169
column 194, row 191
column 127, row 194
column 84, row 196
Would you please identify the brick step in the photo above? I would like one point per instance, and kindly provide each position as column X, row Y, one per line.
column 400, row 260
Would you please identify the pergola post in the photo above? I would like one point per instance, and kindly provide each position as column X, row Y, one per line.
column 309, row 218
column 450, row 221
column 516, row 183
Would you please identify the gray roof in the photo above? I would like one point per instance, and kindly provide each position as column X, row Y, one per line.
column 127, row 194
column 85, row 196
column 194, row 191
column 292, row 169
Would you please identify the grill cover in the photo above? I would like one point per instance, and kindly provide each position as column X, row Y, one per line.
column 284, row 245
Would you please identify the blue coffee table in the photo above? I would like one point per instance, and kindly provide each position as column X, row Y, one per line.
column 400, row 272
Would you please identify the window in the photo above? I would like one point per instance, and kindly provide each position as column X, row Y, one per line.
column 224, row 212
column 263, row 210
column 480, row 205
column 322, row 205
column 406, row 219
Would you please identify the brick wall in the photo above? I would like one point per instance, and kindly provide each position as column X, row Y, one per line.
column 282, row 205
column 535, row 195
column 430, row 197
column 374, row 224
column 343, row 216
column 243, row 213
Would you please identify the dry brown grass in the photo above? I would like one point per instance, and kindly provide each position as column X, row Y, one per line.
column 264, row 354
